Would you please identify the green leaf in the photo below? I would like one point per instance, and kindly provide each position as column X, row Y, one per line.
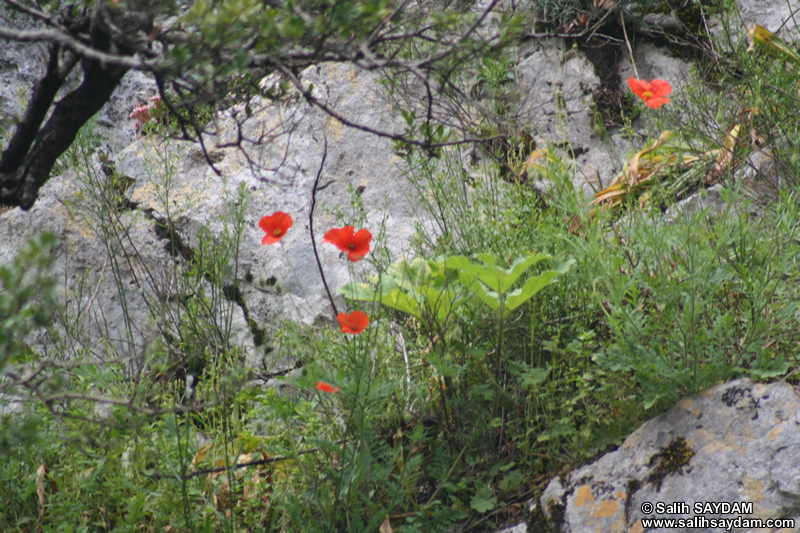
column 513, row 481
column 768, row 366
column 507, row 467
column 534, row 377
column 438, row 303
column 359, row 291
column 534, row 285
column 484, row 500
column 426, row 289
column 396, row 299
column 650, row 400
column 499, row 279
column 490, row 298
column 531, row 287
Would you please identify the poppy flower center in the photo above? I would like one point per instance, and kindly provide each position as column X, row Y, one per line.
column 647, row 95
column 354, row 327
column 277, row 232
column 352, row 246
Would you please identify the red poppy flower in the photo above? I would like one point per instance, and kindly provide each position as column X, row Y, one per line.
column 324, row 387
column 354, row 323
column 276, row 227
column 652, row 93
column 356, row 244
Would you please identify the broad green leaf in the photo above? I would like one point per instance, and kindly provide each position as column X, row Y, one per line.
column 359, row 291
column 401, row 274
column 442, row 302
column 531, row 287
column 396, row 299
column 484, row 500
column 534, row 377
column 490, row 298
column 534, row 285
column 430, row 290
column 499, row 279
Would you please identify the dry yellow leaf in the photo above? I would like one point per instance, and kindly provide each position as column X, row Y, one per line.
column 386, row 526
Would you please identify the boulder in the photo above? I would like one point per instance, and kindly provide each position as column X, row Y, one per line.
column 728, row 452
column 556, row 85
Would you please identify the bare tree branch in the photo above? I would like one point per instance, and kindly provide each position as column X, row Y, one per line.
column 66, row 41
column 402, row 43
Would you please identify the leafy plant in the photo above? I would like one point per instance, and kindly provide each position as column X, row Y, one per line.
column 425, row 289
column 407, row 414
column 431, row 290
column 27, row 301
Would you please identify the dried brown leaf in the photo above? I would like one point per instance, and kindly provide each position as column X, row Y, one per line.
column 40, row 473
column 386, row 526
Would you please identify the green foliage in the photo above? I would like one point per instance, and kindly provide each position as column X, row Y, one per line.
column 425, row 289
column 122, row 435
column 183, row 122
column 26, row 297
column 692, row 309
column 491, row 282
column 449, row 408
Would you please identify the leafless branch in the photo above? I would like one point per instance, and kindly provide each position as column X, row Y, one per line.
column 65, row 40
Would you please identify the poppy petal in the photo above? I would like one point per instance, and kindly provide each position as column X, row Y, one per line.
column 275, row 226
column 660, row 87
column 656, row 102
column 652, row 93
column 362, row 238
column 638, row 86
column 340, row 237
column 360, row 245
column 354, row 323
column 346, row 239
column 324, row 387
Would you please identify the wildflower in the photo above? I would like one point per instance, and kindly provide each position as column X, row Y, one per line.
column 141, row 114
column 354, row 323
column 652, row 93
column 275, row 226
column 356, row 244
column 324, row 387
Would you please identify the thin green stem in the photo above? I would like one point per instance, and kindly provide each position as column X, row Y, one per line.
column 500, row 327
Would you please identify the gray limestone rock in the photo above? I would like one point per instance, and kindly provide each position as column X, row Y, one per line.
column 557, row 85
column 711, row 199
column 22, row 64
column 127, row 299
column 736, row 443
column 279, row 176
